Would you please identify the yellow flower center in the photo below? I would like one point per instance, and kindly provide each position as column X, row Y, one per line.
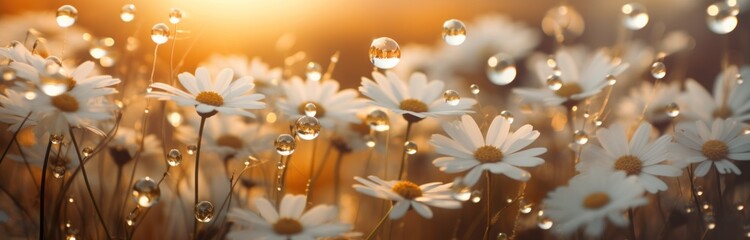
column 488, row 153
column 287, row 226
column 596, row 200
column 65, row 103
column 715, row 150
column 413, row 105
column 229, row 141
column 407, row 189
column 569, row 89
column 723, row 112
column 210, row 98
column 630, row 164
column 319, row 110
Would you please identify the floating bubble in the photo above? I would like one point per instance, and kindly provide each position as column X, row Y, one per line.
column 160, row 33
column 285, row 144
column 307, row 127
column 127, row 13
column 454, row 32
column 410, row 147
column 501, row 69
column 175, row 15
column 636, row 16
column 314, row 71
column 451, row 97
column 174, row 157
column 146, row 192
column 658, row 70
column 66, row 16
column 672, row 110
column 204, row 211
column 474, row 89
column 384, row 53
column 722, row 18
column 378, row 121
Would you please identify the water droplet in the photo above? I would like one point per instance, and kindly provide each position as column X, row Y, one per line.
column 501, row 236
column 127, row 13
column 721, row 18
column 378, row 121
column 132, row 216
column 462, row 194
column 280, row 165
column 611, row 80
column 526, row 207
column 29, row 95
column 507, row 115
column 580, row 137
column 597, row 122
column 501, row 69
column 71, row 236
column 384, row 53
column 285, row 144
column 174, row 157
column 310, row 109
column 175, row 15
column 554, row 82
column 738, row 79
column 706, row 206
column 87, row 151
column 658, row 70
column 454, row 32
column 160, row 33
column 58, row 171
column 747, row 131
column 314, row 71
column 476, row 196
column 544, row 222
column 56, row 139
column 66, row 16
column 699, row 190
column 410, row 147
column 451, row 97
column 369, row 141
column 191, row 149
column 688, row 209
column 740, row 207
column 54, row 85
column 710, row 221
column 307, row 128
column 474, row 89
column 636, row 16
column 146, row 192
column 204, row 211
column 174, row 119
column 146, row 110
column 672, row 110
column 563, row 22
column 7, row 73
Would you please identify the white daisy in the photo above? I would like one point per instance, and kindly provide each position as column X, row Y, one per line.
column 289, row 222
column 631, row 107
column 210, row 96
column 639, row 157
column 499, row 152
column 263, row 76
column 333, row 106
column 79, row 107
column 416, row 100
column 14, row 108
column 717, row 145
column 408, row 195
column 589, row 198
column 582, row 76
column 228, row 136
column 729, row 99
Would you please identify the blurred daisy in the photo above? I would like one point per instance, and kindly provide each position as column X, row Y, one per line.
column 416, row 100
column 408, row 195
column 211, row 96
column 589, row 198
column 639, row 157
column 631, row 107
column 42, row 26
column 228, row 136
column 499, row 152
column 14, row 108
column 729, row 99
column 289, row 222
column 333, row 106
column 581, row 77
column 724, row 141
column 263, row 76
column 64, row 156
column 79, row 107
column 126, row 142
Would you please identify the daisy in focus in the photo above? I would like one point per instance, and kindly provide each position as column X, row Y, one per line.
column 717, row 145
column 332, row 106
column 730, row 99
column 289, row 222
column 415, row 100
column 79, row 107
column 408, row 195
column 580, row 76
column 498, row 152
column 589, row 198
column 639, row 157
column 211, row 96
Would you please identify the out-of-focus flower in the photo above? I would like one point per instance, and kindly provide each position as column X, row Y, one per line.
column 724, row 141
column 730, row 99
column 65, row 156
column 590, row 198
column 639, row 157
column 408, row 195
column 126, row 143
column 228, row 136
column 43, row 27
column 79, row 107
column 289, row 222
column 210, row 96
column 499, row 152
column 14, row 108
column 332, row 106
column 631, row 107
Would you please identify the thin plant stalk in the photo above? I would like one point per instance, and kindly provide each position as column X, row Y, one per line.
column 41, row 192
column 197, row 163
column 88, row 185
column 380, row 224
column 13, row 138
column 488, row 200
column 403, row 153
column 631, row 217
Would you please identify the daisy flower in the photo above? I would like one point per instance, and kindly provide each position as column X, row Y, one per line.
column 408, row 195
column 289, row 222
column 333, row 106
column 211, row 96
column 263, row 76
column 716, row 145
column 729, row 100
column 415, row 100
column 14, row 108
column 631, row 106
column 125, row 144
column 228, row 136
column 582, row 76
column 639, row 157
column 499, row 152
column 589, row 198
column 79, row 107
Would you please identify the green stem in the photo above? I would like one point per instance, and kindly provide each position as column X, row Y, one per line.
column 88, row 185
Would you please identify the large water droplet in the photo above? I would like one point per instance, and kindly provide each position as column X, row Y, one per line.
column 543, row 221
column 146, row 192
column 636, row 16
column 175, row 15
column 56, row 139
column 474, row 89
column 174, row 157
column 410, row 147
column 721, row 18
column 384, row 53
column 502, row 236
column 580, row 137
column 87, row 151
column 554, row 82
column 58, row 171
column 462, row 194
column 160, row 33
column 66, row 16
column 285, row 144
column 507, row 115
column 454, row 32
column 307, row 127
column 127, row 13
column 501, row 69
column 310, row 109
column 672, row 110
column 204, row 211
column 378, row 121
column 451, row 97
column 658, row 70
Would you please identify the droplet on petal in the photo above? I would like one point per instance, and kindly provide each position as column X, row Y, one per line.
column 378, row 121
column 451, row 97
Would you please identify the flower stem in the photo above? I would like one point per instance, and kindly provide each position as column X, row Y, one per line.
column 695, row 195
column 719, row 203
column 632, row 224
column 88, row 185
column 337, row 179
column 403, row 153
column 13, row 139
column 41, row 192
column 380, row 224
column 488, row 200
column 197, row 163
